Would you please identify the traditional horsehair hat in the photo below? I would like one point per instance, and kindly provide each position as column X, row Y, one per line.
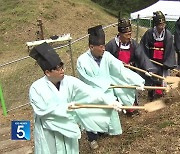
column 96, row 35
column 158, row 18
column 124, row 25
column 46, row 57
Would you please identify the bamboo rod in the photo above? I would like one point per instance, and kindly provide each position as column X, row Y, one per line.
column 77, row 106
column 134, row 87
column 152, row 106
column 160, row 64
column 141, row 70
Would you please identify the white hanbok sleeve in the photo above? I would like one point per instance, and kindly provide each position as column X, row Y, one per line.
column 83, row 93
column 117, row 70
column 94, row 81
column 44, row 103
column 53, row 114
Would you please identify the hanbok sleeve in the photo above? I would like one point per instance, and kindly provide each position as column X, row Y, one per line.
column 144, row 42
column 169, row 57
column 94, row 81
column 52, row 113
column 122, row 74
column 83, row 93
column 44, row 103
column 177, row 36
column 141, row 58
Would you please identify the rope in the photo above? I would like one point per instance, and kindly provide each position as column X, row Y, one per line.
column 18, row 107
column 83, row 37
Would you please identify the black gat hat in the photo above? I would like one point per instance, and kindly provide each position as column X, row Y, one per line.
column 46, row 56
column 96, row 35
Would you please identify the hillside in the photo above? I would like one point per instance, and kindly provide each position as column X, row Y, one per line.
column 19, row 18
column 19, row 25
column 148, row 133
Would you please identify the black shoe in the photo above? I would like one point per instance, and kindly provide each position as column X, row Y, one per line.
column 151, row 95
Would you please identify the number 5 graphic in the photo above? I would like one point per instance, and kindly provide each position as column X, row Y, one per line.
column 19, row 130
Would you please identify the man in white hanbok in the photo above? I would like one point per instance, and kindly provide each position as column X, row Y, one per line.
column 56, row 129
column 99, row 69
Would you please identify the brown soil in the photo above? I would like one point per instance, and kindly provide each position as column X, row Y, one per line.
column 147, row 133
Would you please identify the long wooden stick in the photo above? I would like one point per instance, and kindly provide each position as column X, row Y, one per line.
column 167, row 89
column 168, row 79
column 77, row 106
column 160, row 64
column 152, row 106
column 134, row 87
column 162, row 49
column 141, row 70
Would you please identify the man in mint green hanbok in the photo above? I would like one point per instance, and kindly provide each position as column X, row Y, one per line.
column 56, row 129
column 99, row 69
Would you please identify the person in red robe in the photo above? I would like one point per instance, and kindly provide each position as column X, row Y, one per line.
column 157, row 44
column 126, row 49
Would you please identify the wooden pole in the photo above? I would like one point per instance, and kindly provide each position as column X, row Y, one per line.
column 155, row 62
column 134, row 87
column 141, row 70
column 152, row 106
column 41, row 29
column 71, row 56
column 137, row 31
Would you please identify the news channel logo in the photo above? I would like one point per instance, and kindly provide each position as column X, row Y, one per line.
column 20, row 130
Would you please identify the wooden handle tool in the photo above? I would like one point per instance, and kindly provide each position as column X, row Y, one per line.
column 152, row 106
column 160, row 64
column 168, row 79
column 145, row 87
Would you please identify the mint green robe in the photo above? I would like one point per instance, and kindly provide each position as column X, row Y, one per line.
column 110, row 71
column 56, row 130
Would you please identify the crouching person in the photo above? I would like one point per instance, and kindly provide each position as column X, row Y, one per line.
column 99, row 69
column 56, row 129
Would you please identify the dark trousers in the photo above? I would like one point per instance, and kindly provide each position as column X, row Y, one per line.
column 155, row 94
column 91, row 136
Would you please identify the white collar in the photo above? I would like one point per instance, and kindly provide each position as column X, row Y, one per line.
column 122, row 46
column 157, row 36
column 117, row 40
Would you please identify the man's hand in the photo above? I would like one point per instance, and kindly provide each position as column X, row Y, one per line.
column 117, row 106
column 70, row 106
column 141, row 87
column 148, row 74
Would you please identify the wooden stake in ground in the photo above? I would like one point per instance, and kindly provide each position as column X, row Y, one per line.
column 150, row 107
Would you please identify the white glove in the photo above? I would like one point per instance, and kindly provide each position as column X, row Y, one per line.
column 72, row 104
column 117, row 106
column 141, row 87
column 148, row 74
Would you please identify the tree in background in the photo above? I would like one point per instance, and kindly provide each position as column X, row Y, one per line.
column 124, row 6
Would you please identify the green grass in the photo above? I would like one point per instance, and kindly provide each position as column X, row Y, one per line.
column 15, row 13
column 165, row 124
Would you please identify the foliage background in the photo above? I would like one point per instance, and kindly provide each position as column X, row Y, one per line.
column 124, row 6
